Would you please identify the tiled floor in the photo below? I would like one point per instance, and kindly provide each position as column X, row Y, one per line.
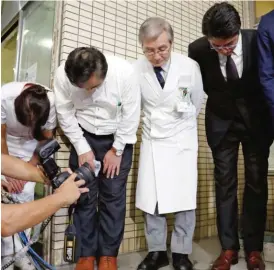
column 204, row 252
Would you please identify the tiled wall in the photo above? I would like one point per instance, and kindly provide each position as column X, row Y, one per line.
column 270, row 206
column 112, row 27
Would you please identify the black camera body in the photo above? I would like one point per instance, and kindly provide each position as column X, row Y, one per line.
column 52, row 170
column 44, row 151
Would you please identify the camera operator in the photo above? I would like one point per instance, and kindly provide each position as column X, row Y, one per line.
column 18, row 217
column 24, row 170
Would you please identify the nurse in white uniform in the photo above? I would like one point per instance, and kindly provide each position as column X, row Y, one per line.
column 172, row 96
column 27, row 116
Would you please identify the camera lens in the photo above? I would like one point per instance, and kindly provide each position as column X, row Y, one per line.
column 85, row 172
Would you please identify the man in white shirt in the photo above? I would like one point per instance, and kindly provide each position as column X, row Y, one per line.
column 236, row 113
column 172, row 96
column 98, row 108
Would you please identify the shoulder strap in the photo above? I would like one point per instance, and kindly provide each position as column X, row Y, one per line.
column 71, row 211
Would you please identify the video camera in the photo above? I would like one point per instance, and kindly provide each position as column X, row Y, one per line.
column 53, row 172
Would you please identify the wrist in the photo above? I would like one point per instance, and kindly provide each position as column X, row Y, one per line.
column 82, row 147
column 33, row 161
column 117, row 144
column 43, row 177
column 59, row 199
column 36, row 175
column 117, row 152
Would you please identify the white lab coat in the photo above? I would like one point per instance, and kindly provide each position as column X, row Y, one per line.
column 22, row 145
column 169, row 149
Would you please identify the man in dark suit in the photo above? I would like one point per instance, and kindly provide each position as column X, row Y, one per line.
column 236, row 112
column 266, row 57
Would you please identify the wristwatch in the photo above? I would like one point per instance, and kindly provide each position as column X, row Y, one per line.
column 117, row 152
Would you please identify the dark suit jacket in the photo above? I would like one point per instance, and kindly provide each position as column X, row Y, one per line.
column 226, row 100
column 266, row 57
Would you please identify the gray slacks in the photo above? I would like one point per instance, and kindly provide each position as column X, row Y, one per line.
column 182, row 235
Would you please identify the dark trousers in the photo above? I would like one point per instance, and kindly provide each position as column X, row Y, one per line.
column 225, row 155
column 101, row 220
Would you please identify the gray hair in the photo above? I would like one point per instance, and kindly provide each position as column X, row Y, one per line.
column 153, row 27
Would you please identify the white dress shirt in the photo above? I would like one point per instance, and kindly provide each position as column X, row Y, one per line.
column 113, row 108
column 237, row 57
column 19, row 140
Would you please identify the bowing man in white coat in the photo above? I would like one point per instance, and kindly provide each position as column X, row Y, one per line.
column 172, row 95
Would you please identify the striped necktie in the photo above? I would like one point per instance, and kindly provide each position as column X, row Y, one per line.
column 159, row 76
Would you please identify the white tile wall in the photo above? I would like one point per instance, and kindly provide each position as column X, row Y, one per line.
column 112, row 26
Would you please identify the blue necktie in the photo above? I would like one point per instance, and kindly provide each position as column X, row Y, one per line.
column 159, row 76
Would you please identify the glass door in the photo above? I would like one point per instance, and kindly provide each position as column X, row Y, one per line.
column 37, row 23
column 8, row 53
column 34, row 64
column 36, row 43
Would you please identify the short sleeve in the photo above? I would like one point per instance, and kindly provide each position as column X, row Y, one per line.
column 52, row 121
column 3, row 106
column 3, row 111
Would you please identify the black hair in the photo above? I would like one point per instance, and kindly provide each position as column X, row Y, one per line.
column 222, row 20
column 32, row 109
column 83, row 62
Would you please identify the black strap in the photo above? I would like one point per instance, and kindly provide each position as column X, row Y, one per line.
column 71, row 211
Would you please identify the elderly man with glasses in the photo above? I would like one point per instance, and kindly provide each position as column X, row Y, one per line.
column 172, row 95
column 236, row 113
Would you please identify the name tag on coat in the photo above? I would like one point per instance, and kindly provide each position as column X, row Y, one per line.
column 185, row 107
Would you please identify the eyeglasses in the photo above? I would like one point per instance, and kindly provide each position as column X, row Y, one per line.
column 161, row 51
column 230, row 45
column 225, row 47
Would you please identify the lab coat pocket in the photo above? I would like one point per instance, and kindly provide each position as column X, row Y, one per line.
column 188, row 140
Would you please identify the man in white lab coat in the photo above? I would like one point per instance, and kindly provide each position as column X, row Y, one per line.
column 172, row 95
column 98, row 108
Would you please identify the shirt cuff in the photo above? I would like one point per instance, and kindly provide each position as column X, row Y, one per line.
column 82, row 147
column 119, row 145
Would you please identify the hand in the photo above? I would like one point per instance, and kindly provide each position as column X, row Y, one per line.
column 70, row 190
column 67, row 170
column 34, row 160
column 87, row 157
column 6, row 186
column 17, row 186
column 111, row 164
column 43, row 175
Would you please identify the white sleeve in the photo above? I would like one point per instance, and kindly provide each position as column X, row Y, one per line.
column 66, row 114
column 51, row 122
column 197, row 92
column 131, row 102
column 3, row 110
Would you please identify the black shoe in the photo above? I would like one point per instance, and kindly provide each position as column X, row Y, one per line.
column 181, row 262
column 154, row 261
